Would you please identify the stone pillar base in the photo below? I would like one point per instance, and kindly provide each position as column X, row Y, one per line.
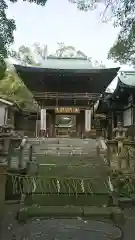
column 3, row 171
column 90, row 134
column 3, row 177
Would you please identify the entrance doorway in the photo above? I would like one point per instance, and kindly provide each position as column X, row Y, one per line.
column 65, row 125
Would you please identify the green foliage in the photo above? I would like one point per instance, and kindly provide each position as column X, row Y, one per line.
column 38, row 2
column 123, row 49
column 85, row 5
column 7, row 26
column 123, row 14
column 13, row 89
column 68, row 51
column 124, row 185
column 32, row 56
column 37, row 54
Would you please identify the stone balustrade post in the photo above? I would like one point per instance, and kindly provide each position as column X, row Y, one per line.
column 3, row 175
column 21, row 152
column 120, row 136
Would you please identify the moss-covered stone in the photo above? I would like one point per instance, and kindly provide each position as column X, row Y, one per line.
column 118, row 216
column 52, row 211
column 68, row 199
column 94, row 211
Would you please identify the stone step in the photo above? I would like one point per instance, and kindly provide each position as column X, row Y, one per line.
column 59, row 147
column 51, row 153
column 67, row 159
column 100, row 199
column 63, row 155
column 63, row 141
column 69, row 171
column 105, row 229
column 64, row 145
column 43, row 151
column 61, row 150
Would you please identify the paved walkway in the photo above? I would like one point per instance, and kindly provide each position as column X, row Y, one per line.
column 57, row 229
column 45, row 229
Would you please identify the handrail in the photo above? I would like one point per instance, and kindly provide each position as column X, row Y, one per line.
column 66, row 95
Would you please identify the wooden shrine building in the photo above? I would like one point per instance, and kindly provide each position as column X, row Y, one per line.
column 64, row 88
column 121, row 103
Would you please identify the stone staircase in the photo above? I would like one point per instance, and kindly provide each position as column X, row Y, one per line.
column 63, row 156
column 57, row 150
column 63, row 146
column 65, row 182
column 74, row 159
column 67, row 187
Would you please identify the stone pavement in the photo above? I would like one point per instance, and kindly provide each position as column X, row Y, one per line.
column 76, row 229
column 57, row 229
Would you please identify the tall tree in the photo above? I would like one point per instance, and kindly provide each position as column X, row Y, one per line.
column 7, row 26
column 123, row 49
column 30, row 56
column 123, row 13
column 38, row 2
column 68, row 51
column 37, row 54
column 12, row 88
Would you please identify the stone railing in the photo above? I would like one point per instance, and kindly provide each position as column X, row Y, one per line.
column 120, row 151
column 123, row 158
column 8, row 138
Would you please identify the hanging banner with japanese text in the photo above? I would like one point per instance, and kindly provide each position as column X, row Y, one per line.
column 43, row 119
column 87, row 120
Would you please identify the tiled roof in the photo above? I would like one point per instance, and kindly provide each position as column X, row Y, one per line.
column 128, row 78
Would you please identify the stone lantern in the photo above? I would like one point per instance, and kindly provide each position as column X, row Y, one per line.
column 120, row 132
column 120, row 136
column 8, row 137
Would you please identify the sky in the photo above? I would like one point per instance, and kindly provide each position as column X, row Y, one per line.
column 61, row 21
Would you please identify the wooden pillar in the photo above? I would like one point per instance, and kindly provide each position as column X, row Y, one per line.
column 78, row 124
column 43, row 121
column 110, row 126
column 133, row 121
column 53, row 123
column 82, row 122
column 48, row 122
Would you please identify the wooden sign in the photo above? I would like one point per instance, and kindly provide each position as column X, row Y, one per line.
column 67, row 110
